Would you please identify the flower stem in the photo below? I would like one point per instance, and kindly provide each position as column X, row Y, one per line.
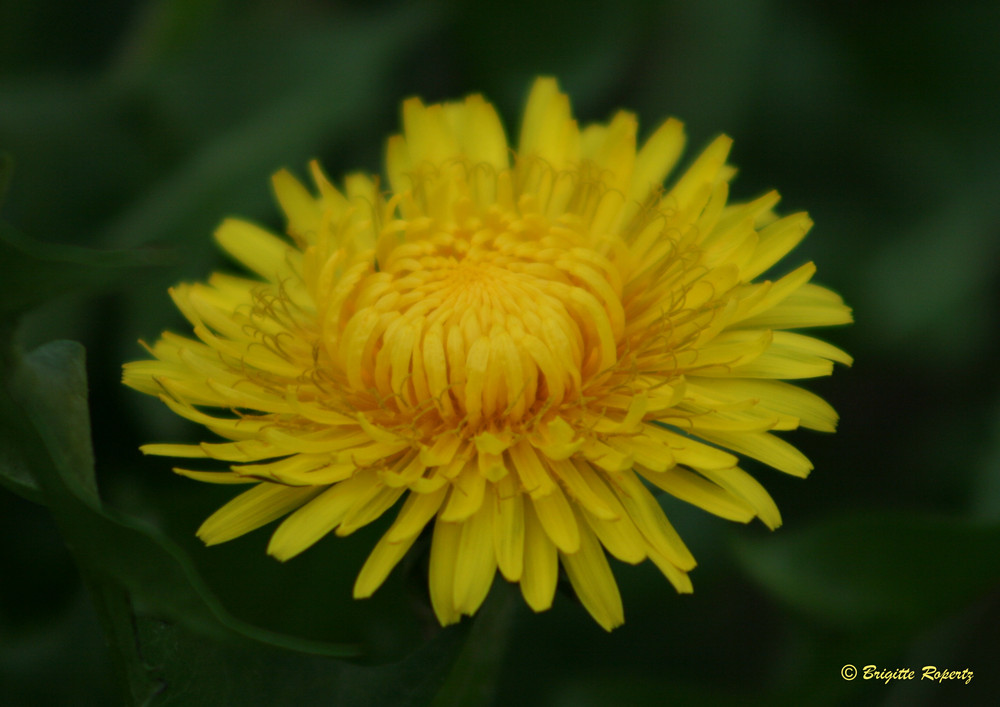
column 472, row 681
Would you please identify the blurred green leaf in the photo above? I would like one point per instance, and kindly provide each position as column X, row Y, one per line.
column 48, row 391
column 170, row 637
column 588, row 51
column 6, row 171
column 15, row 474
column 929, row 291
column 985, row 491
column 35, row 272
column 49, row 388
column 188, row 670
column 870, row 570
column 164, row 27
column 271, row 100
column 614, row 691
column 474, row 676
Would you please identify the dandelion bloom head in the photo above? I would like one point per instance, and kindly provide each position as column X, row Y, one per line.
column 513, row 347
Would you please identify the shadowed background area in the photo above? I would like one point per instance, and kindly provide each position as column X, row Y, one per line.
column 135, row 127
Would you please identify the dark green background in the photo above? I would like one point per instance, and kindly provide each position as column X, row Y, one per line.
column 136, row 127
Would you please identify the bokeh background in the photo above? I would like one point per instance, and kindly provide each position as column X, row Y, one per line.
column 135, row 127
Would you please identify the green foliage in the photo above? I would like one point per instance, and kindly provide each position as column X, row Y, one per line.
column 189, row 670
column 171, row 639
column 37, row 272
column 869, row 571
column 138, row 127
column 6, row 172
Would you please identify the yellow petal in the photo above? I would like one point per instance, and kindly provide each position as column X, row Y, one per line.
column 541, row 563
column 189, row 451
column 556, row 516
column 677, row 576
column 509, row 529
column 580, row 480
column 262, row 252
column 594, row 583
column 303, row 212
column 741, row 484
column 698, row 491
column 383, row 558
column 466, row 495
column 614, row 151
column 691, row 452
column 548, row 130
column 657, row 157
column 693, row 189
column 476, row 563
column 318, row 517
column 480, row 132
column 215, row 477
column 441, row 579
column 252, row 509
column 398, row 164
column 809, row 306
column 428, row 136
column 368, row 508
column 533, row 473
column 776, row 240
column 764, row 447
column 790, row 356
column 783, row 398
column 416, row 512
column 619, row 536
column 651, row 521
column 774, row 293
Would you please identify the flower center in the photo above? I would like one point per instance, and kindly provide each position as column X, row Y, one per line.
column 483, row 327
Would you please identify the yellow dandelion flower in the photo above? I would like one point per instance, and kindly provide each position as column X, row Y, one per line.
column 513, row 347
